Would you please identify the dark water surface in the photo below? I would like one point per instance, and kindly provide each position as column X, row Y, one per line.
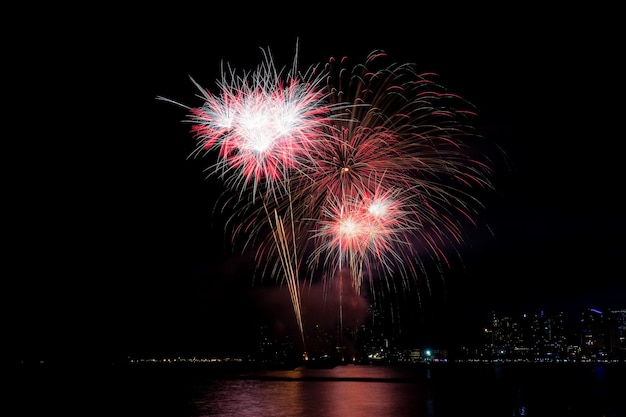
column 439, row 390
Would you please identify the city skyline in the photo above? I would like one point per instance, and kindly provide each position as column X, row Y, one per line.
column 530, row 337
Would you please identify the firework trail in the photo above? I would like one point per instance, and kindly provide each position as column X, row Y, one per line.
column 369, row 168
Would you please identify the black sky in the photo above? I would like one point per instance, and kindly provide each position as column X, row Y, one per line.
column 111, row 243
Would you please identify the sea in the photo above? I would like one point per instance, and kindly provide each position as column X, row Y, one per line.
column 353, row 390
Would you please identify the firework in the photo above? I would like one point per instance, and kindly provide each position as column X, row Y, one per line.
column 263, row 124
column 400, row 145
column 369, row 168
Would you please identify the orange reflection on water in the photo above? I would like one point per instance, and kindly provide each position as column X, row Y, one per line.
column 355, row 391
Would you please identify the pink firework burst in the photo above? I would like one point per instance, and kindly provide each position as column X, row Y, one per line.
column 399, row 131
column 369, row 234
column 263, row 125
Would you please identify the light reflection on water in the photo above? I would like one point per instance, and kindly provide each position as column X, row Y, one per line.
column 450, row 390
column 343, row 391
column 361, row 390
column 352, row 372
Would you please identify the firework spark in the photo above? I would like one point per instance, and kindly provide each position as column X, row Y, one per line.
column 401, row 141
column 369, row 167
column 263, row 124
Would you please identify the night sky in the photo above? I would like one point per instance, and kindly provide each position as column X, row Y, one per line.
column 112, row 245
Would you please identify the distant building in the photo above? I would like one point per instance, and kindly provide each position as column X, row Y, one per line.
column 602, row 334
column 545, row 336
